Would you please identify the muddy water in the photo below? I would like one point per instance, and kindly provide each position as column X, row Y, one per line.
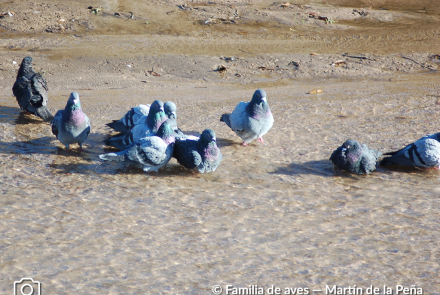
column 275, row 214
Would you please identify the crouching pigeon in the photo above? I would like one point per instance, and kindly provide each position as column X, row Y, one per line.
column 71, row 125
column 202, row 154
column 356, row 158
column 138, row 115
column 130, row 119
column 30, row 90
column 250, row 120
column 150, row 153
column 424, row 153
column 148, row 127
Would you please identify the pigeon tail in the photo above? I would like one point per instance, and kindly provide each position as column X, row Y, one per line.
column 387, row 161
column 44, row 114
column 225, row 118
column 118, row 126
column 119, row 157
column 116, row 141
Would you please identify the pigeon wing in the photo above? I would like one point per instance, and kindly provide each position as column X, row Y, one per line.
column 238, row 118
column 56, row 121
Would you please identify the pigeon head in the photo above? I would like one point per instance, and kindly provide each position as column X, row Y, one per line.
column 258, row 107
column 25, row 67
column 208, row 136
column 156, row 115
column 170, row 109
column 259, row 96
column 352, row 149
column 73, row 103
column 166, row 132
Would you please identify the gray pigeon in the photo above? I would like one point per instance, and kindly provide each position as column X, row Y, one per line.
column 424, row 153
column 30, row 90
column 138, row 115
column 353, row 157
column 250, row 120
column 130, row 119
column 151, row 153
column 147, row 127
column 71, row 125
column 202, row 154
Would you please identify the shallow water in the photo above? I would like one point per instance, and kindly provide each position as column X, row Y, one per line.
column 274, row 214
column 271, row 215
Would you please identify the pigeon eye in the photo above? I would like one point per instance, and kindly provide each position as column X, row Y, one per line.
column 348, row 146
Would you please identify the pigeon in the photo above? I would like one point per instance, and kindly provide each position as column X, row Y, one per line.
column 356, row 158
column 424, row 153
column 139, row 114
column 150, row 153
column 250, row 120
column 30, row 90
column 148, row 127
column 130, row 119
column 71, row 125
column 202, row 154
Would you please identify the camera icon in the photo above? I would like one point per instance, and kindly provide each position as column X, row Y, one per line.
column 27, row 286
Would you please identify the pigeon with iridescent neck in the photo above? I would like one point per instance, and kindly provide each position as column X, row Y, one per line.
column 147, row 127
column 424, row 153
column 202, row 154
column 71, row 125
column 138, row 115
column 356, row 158
column 130, row 119
column 250, row 120
column 30, row 90
column 150, row 153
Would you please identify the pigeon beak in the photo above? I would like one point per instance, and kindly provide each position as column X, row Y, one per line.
column 174, row 113
column 263, row 99
column 214, row 139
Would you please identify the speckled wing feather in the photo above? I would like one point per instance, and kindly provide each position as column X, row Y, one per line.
column 149, row 151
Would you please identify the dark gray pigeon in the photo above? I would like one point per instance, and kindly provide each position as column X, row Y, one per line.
column 250, row 120
column 138, row 115
column 130, row 119
column 147, row 127
column 71, row 125
column 150, row 153
column 30, row 90
column 424, row 153
column 353, row 157
column 202, row 154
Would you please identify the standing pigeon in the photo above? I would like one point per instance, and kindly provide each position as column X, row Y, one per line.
column 71, row 125
column 250, row 120
column 131, row 118
column 424, row 153
column 151, row 153
column 30, row 90
column 147, row 127
column 202, row 154
column 353, row 157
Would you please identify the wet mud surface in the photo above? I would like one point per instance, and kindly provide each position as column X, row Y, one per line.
column 274, row 214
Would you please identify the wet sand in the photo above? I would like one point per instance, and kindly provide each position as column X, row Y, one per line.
column 274, row 214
